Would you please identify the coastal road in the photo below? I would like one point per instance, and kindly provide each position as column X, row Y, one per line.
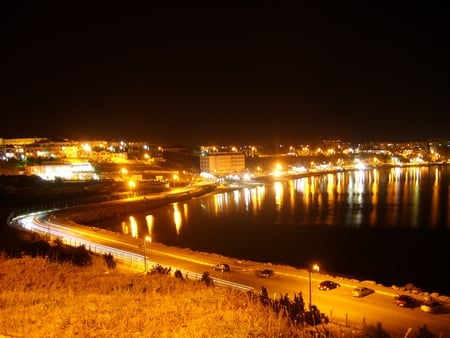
column 337, row 304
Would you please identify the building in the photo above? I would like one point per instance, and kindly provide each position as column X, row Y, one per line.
column 51, row 171
column 222, row 163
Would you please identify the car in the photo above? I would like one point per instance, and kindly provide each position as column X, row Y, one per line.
column 328, row 285
column 361, row 291
column 405, row 301
column 431, row 306
column 265, row 273
column 221, row 267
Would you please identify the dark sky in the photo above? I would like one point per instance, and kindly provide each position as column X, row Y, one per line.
column 265, row 72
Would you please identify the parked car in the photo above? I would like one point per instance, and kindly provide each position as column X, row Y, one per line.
column 361, row 291
column 221, row 267
column 431, row 306
column 328, row 285
column 405, row 301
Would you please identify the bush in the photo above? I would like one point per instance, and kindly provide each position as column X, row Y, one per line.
column 207, row 279
column 109, row 261
column 160, row 270
column 178, row 275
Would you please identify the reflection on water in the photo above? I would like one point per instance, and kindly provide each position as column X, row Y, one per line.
column 374, row 223
column 131, row 227
column 177, row 219
column 398, row 197
column 149, row 220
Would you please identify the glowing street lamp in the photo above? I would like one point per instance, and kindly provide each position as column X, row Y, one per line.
column 312, row 268
column 124, row 172
column 132, row 185
column 175, row 178
column 146, row 239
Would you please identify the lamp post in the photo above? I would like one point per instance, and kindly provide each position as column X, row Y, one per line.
column 146, row 239
column 175, row 178
column 312, row 268
column 132, row 185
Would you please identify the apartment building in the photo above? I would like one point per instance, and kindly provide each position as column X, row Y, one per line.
column 222, row 163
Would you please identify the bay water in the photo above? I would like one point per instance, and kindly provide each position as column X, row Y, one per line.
column 390, row 225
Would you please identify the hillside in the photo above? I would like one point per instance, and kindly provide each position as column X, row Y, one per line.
column 43, row 299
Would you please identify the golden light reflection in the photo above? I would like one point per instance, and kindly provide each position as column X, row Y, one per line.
column 374, row 196
column 125, row 228
column 236, row 196
column 304, row 186
column 393, row 195
column 435, row 199
column 340, row 188
column 318, row 188
column 278, row 186
column 221, row 203
column 185, row 210
column 257, row 196
column 360, row 177
column 330, row 185
column 329, row 198
column 299, row 185
column 134, row 227
column 448, row 209
column 150, row 221
column 403, row 186
column 355, row 196
column 415, row 186
column 292, row 195
column 247, row 198
column 312, row 184
column 177, row 217
column 350, row 189
column 340, row 183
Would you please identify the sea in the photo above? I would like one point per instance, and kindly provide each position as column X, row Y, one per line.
column 388, row 225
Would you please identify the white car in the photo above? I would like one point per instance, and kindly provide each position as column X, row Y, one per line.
column 361, row 292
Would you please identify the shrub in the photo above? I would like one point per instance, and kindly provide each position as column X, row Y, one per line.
column 207, row 279
column 109, row 261
column 159, row 269
column 178, row 274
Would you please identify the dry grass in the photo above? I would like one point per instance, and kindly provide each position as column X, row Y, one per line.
column 43, row 299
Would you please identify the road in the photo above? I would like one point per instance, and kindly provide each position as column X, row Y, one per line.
column 337, row 304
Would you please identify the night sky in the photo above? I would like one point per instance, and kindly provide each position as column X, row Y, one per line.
column 261, row 73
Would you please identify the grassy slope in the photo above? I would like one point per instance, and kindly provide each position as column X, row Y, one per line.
column 43, row 299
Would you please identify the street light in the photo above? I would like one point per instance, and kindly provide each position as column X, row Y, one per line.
column 132, row 185
column 124, row 172
column 146, row 239
column 175, row 178
column 312, row 268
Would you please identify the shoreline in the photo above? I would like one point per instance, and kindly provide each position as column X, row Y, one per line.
column 224, row 189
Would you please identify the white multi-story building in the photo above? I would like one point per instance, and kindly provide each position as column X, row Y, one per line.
column 62, row 170
column 222, row 163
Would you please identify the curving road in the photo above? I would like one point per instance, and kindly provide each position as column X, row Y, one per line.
column 337, row 304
